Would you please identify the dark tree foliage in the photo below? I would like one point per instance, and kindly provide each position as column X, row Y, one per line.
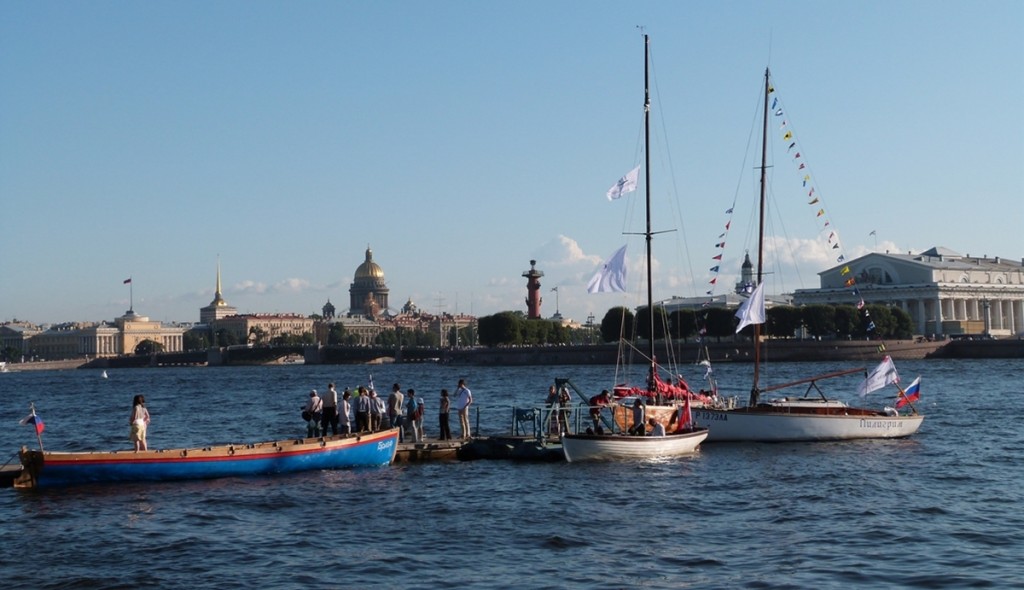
column 847, row 320
column 293, row 339
column 499, row 329
column 617, row 322
column 224, row 337
column 643, row 323
column 721, row 322
column 782, row 321
column 682, row 323
column 336, row 334
column 11, row 354
column 196, row 339
column 509, row 327
column 904, row 324
column 820, row 319
column 887, row 321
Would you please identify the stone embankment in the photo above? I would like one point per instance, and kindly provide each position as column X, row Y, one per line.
column 586, row 354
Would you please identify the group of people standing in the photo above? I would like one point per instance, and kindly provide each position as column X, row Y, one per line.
column 330, row 415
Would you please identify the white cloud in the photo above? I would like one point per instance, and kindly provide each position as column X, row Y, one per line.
column 249, row 287
column 291, row 286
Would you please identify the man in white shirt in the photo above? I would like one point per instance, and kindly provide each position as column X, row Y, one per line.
column 463, row 399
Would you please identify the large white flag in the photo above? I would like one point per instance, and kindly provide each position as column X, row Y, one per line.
column 626, row 184
column 612, row 276
column 752, row 310
column 884, row 374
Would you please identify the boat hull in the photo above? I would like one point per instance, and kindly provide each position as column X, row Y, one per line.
column 597, row 447
column 46, row 469
column 743, row 424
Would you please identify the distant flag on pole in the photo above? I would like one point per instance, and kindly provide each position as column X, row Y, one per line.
column 884, row 374
column 612, row 276
column 872, row 233
column 912, row 394
column 34, row 420
column 626, row 184
column 752, row 310
column 128, row 281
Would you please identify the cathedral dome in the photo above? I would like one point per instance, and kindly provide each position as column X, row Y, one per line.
column 369, row 268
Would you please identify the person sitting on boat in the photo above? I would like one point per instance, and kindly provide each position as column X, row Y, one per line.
column 656, row 428
column 311, row 413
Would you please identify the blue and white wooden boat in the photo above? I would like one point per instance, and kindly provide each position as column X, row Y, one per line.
column 55, row 468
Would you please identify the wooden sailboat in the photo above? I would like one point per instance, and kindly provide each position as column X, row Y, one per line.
column 804, row 418
column 682, row 441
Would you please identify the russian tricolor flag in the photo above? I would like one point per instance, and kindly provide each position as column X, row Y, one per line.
column 34, row 420
column 910, row 394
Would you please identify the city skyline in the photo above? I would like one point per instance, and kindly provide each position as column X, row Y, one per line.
column 460, row 142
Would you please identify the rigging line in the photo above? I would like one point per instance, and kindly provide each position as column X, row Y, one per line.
column 751, row 137
column 674, row 193
column 665, row 157
column 830, row 230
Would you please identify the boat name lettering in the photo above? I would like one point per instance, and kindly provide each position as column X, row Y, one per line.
column 883, row 424
column 712, row 416
column 385, row 444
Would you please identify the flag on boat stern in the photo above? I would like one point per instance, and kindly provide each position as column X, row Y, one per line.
column 34, row 420
column 752, row 310
column 626, row 184
column 612, row 276
column 685, row 415
column 126, row 281
column 884, row 374
column 911, row 394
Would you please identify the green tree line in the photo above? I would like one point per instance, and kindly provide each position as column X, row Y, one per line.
column 785, row 321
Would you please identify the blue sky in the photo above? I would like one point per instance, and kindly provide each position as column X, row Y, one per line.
column 460, row 140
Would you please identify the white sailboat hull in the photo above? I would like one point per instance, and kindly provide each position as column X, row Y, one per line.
column 599, row 447
column 778, row 426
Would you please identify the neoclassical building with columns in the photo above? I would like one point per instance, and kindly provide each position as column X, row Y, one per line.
column 945, row 293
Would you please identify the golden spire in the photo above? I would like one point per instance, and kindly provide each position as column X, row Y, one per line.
column 217, row 298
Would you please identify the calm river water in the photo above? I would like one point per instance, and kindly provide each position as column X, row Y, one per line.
column 941, row 509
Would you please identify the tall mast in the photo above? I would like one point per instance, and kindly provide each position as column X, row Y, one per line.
column 755, row 390
column 647, row 182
